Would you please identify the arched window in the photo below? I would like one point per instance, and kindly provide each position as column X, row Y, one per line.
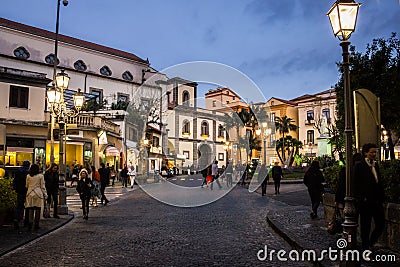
column 204, row 128
column 50, row 58
column 185, row 98
column 80, row 65
column 105, row 70
column 186, row 128
column 221, row 131
column 21, row 52
column 127, row 76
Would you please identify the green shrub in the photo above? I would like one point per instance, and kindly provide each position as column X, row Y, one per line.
column 390, row 171
column 8, row 196
column 331, row 176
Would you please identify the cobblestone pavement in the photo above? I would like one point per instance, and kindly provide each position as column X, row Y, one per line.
column 136, row 230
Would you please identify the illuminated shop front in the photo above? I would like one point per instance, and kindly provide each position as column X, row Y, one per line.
column 76, row 152
column 20, row 149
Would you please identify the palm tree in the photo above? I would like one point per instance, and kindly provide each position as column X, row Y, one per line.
column 284, row 125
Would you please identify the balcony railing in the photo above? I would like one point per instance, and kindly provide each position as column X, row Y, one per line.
column 89, row 121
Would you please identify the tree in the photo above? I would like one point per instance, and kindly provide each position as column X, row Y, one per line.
column 378, row 70
column 284, row 125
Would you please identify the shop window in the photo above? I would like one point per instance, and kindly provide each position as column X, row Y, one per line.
column 19, row 96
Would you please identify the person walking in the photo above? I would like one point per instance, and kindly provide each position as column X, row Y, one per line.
column 313, row 179
column 75, row 172
column 51, row 179
column 124, row 176
column 215, row 175
column 113, row 174
column 228, row 174
column 36, row 195
column 104, row 179
column 132, row 175
column 96, row 186
column 19, row 185
column 205, row 172
column 370, row 195
column 84, row 189
column 264, row 178
column 277, row 175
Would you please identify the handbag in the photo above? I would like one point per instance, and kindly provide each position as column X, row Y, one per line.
column 335, row 226
column 46, row 210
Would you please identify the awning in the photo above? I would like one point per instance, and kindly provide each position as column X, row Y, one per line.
column 112, row 151
column 20, row 149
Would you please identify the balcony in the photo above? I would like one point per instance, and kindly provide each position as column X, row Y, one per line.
column 309, row 122
column 89, row 121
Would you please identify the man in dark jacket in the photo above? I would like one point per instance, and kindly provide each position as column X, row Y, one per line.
column 277, row 175
column 370, row 195
column 51, row 181
column 104, row 179
column 19, row 184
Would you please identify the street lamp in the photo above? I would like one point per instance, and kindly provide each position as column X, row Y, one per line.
column 227, row 148
column 265, row 131
column 146, row 143
column 343, row 18
column 59, row 112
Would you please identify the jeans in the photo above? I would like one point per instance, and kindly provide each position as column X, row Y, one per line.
column 53, row 195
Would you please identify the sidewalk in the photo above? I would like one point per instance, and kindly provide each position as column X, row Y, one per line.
column 12, row 239
column 297, row 228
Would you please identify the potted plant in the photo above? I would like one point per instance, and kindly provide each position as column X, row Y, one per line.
column 8, row 200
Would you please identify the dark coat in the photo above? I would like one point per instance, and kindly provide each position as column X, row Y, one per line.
column 313, row 179
column 19, row 182
column 104, row 175
column 84, row 188
column 51, row 180
column 277, row 173
column 366, row 189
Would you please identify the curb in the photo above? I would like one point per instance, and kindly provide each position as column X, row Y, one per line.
column 50, row 230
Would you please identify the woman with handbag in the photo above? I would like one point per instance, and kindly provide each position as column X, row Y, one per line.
column 35, row 196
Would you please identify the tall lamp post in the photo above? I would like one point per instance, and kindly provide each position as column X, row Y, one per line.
column 343, row 18
column 59, row 112
column 55, row 63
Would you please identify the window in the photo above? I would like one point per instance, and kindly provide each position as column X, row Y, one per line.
column 105, row 70
column 186, row 127
column 233, row 98
column 204, row 128
column 50, row 58
column 221, row 131
column 156, row 141
column 273, row 117
column 127, row 76
column 21, row 52
column 132, row 134
column 220, row 156
column 185, row 98
column 310, row 136
column 326, row 113
column 214, row 104
column 122, row 97
column 98, row 94
column 19, row 97
column 186, row 153
column 310, row 115
column 80, row 65
column 145, row 103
